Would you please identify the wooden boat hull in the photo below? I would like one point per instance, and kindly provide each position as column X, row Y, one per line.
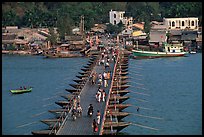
column 119, row 115
column 85, row 70
column 42, row 132
column 122, row 73
column 121, row 77
column 58, row 110
column 120, row 87
column 81, row 77
column 62, row 103
column 120, row 92
column 21, row 91
column 120, row 98
column 72, row 90
column 77, row 86
column 116, row 125
column 79, row 80
column 50, row 122
column 68, row 97
column 121, row 83
column 119, row 106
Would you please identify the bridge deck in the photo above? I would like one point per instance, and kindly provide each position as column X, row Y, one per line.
column 83, row 125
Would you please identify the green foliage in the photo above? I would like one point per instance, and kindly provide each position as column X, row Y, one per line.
column 53, row 37
column 48, row 14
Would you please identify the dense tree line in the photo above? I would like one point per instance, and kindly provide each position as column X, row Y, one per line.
column 65, row 15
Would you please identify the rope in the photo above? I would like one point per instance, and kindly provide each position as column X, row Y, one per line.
column 143, row 126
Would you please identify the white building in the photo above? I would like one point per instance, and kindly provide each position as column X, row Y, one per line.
column 181, row 23
column 117, row 16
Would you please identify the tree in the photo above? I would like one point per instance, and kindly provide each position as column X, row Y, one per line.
column 53, row 37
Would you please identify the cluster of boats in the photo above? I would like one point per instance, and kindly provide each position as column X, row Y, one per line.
column 66, row 105
column 113, row 117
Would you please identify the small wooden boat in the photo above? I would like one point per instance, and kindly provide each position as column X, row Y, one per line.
column 122, row 82
column 122, row 73
column 79, row 80
column 89, row 64
column 121, row 77
column 120, row 98
column 121, row 92
column 116, row 125
column 73, row 90
column 91, row 61
column 85, row 70
column 77, row 86
column 109, row 132
column 59, row 112
column 43, row 132
column 83, row 73
column 50, row 121
column 119, row 106
column 120, row 87
column 192, row 52
column 84, row 76
column 62, row 103
column 68, row 97
column 86, row 67
column 19, row 91
column 119, row 115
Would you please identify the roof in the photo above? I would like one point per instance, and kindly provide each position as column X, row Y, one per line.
column 138, row 33
column 138, row 25
column 175, row 32
column 157, row 36
column 188, row 36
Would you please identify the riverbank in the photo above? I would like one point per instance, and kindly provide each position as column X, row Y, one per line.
column 20, row 52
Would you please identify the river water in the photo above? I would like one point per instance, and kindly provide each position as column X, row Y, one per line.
column 167, row 90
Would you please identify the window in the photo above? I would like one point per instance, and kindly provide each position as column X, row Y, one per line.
column 179, row 23
column 114, row 15
column 169, row 23
column 189, row 23
column 121, row 15
column 182, row 23
column 192, row 23
column 173, row 24
column 114, row 22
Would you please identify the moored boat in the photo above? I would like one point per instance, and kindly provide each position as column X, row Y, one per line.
column 173, row 49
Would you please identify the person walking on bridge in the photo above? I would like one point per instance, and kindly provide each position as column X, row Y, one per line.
column 98, row 116
column 94, row 126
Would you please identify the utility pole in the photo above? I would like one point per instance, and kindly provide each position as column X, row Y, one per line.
column 82, row 25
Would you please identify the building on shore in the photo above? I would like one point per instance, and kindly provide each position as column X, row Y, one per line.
column 189, row 23
column 117, row 16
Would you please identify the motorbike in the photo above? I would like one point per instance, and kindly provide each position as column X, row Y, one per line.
column 90, row 112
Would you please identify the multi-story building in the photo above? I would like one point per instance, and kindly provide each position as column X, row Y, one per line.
column 117, row 16
column 190, row 23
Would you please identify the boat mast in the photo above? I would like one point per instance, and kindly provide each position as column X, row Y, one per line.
column 137, row 44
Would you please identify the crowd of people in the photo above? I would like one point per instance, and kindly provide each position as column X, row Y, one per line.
column 100, row 79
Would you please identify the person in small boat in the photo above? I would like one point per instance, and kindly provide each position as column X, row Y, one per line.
column 138, row 109
column 21, row 88
column 24, row 87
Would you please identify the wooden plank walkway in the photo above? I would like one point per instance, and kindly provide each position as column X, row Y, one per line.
column 83, row 125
